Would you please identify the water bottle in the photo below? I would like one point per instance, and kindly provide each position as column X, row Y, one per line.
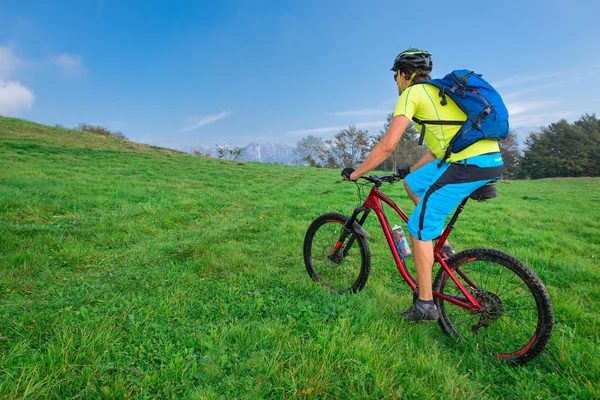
column 401, row 242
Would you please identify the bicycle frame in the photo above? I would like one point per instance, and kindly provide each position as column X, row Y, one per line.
column 374, row 202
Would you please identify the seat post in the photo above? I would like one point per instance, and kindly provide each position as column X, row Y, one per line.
column 459, row 210
column 442, row 238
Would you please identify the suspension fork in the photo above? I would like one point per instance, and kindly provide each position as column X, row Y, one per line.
column 335, row 254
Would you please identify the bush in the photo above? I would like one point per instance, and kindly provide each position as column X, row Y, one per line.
column 119, row 134
column 201, row 154
column 100, row 130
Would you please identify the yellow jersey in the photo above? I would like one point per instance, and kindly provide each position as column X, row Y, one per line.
column 422, row 101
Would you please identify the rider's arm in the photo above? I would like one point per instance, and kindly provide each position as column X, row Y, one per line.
column 382, row 150
column 428, row 157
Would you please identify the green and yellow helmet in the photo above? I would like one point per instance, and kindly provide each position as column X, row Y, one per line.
column 413, row 59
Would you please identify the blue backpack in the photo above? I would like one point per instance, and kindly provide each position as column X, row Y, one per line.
column 487, row 116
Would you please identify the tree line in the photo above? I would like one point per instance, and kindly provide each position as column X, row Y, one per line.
column 561, row 149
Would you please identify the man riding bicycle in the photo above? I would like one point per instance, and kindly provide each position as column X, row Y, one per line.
column 435, row 187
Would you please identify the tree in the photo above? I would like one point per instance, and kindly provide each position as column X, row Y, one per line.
column 511, row 154
column 591, row 126
column 406, row 153
column 563, row 150
column 348, row 148
column 228, row 152
column 311, row 149
column 235, row 151
column 221, row 151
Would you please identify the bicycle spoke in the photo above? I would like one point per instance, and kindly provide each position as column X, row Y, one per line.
column 508, row 325
column 336, row 266
column 521, row 318
column 521, row 308
column 519, row 286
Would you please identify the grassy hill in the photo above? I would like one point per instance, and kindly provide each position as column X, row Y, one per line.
column 128, row 270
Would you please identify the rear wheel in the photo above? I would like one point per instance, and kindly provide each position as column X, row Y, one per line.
column 337, row 258
column 516, row 320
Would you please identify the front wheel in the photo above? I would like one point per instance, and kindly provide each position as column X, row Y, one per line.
column 337, row 258
column 516, row 318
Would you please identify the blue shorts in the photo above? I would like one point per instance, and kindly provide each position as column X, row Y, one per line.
column 442, row 188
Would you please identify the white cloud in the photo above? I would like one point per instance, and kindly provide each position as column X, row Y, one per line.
column 519, row 80
column 361, row 113
column 521, row 107
column 533, row 89
column 336, row 129
column 70, row 64
column 9, row 62
column 14, row 99
column 543, row 118
column 205, row 121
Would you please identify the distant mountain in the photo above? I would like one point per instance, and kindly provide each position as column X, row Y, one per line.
column 203, row 150
column 270, row 153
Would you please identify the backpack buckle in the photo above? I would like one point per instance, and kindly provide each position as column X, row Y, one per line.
column 486, row 112
column 442, row 94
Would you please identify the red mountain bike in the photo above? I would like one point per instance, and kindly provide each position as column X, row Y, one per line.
column 484, row 296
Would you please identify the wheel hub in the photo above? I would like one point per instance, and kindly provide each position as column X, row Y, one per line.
column 492, row 308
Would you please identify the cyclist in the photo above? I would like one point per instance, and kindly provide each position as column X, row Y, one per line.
column 436, row 189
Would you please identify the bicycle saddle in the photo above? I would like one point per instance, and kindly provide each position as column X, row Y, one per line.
column 486, row 192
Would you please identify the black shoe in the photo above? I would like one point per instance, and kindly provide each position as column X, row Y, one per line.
column 447, row 251
column 416, row 313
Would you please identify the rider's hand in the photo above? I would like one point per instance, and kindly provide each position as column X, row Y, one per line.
column 346, row 172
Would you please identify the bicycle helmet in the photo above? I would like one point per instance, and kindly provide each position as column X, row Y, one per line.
column 413, row 59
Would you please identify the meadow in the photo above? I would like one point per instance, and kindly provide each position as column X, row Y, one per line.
column 130, row 271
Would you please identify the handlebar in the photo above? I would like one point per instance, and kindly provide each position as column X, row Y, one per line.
column 379, row 180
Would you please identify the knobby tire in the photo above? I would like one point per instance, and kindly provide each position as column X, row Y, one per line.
column 349, row 271
column 518, row 319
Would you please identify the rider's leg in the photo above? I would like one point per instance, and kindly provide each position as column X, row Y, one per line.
column 416, row 200
column 410, row 193
column 423, row 255
column 440, row 190
column 424, row 309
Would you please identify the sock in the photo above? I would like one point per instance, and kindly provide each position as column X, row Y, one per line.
column 425, row 304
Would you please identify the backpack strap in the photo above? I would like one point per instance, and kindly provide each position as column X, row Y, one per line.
column 432, row 122
column 449, row 148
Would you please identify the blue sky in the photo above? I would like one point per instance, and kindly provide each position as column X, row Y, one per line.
column 191, row 74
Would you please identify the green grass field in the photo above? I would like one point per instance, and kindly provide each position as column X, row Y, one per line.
column 133, row 271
